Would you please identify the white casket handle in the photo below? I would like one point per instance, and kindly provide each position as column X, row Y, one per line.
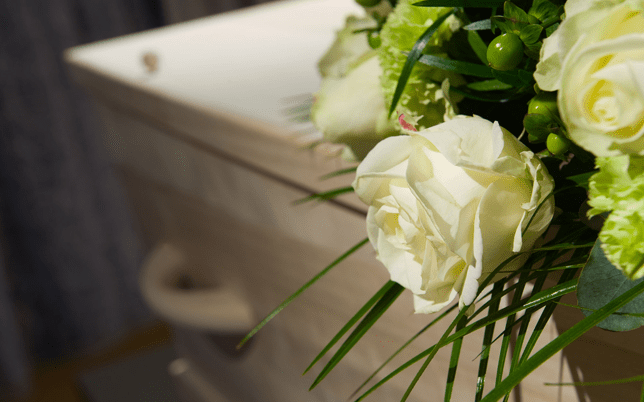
column 219, row 310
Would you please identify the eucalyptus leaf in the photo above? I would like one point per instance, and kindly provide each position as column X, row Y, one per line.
column 600, row 282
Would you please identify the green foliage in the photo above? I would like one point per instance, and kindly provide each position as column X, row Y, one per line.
column 514, row 19
column 600, row 282
column 544, row 10
column 538, row 127
column 531, row 37
column 560, row 342
column 516, row 78
column 460, row 67
column 460, row 3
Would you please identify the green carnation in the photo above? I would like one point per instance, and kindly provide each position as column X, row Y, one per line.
column 618, row 188
column 422, row 102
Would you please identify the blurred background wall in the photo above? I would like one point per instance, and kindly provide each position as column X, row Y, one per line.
column 69, row 254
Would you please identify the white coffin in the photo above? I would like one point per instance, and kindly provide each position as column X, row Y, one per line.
column 212, row 168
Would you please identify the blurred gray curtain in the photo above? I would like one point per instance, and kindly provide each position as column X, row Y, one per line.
column 69, row 255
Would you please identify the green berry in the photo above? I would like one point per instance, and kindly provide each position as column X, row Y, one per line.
column 374, row 40
column 557, row 144
column 505, row 52
column 368, row 3
column 544, row 103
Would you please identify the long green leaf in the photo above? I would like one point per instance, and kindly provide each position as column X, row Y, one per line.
column 442, row 342
column 488, row 85
column 477, row 44
column 444, row 338
column 453, row 361
column 487, row 340
column 545, row 317
column 460, row 67
column 326, row 195
column 383, row 304
column 351, row 322
column 560, row 342
column 339, row 173
column 413, row 57
column 518, row 343
column 540, row 298
column 482, row 25
column 566, row 246
column 509, row 324
column 400, row 349
column 299, row 291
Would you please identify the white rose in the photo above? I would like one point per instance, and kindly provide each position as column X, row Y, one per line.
column 595, row 59
column 351, row 110
column 449, row 204
column 347, row 48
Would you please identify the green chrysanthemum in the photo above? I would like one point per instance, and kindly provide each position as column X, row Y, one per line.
column 422, row 102
column 618, row 188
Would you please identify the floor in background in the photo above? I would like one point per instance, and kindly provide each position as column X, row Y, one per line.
column 57, row 381
column 143, row 377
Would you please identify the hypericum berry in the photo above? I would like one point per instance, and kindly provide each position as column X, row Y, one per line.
column 368, row 3
column 545, row 103
column 374, row 40
column 505, row 52
column 557, row 144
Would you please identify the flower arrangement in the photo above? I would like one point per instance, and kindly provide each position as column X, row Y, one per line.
column 480, row 126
